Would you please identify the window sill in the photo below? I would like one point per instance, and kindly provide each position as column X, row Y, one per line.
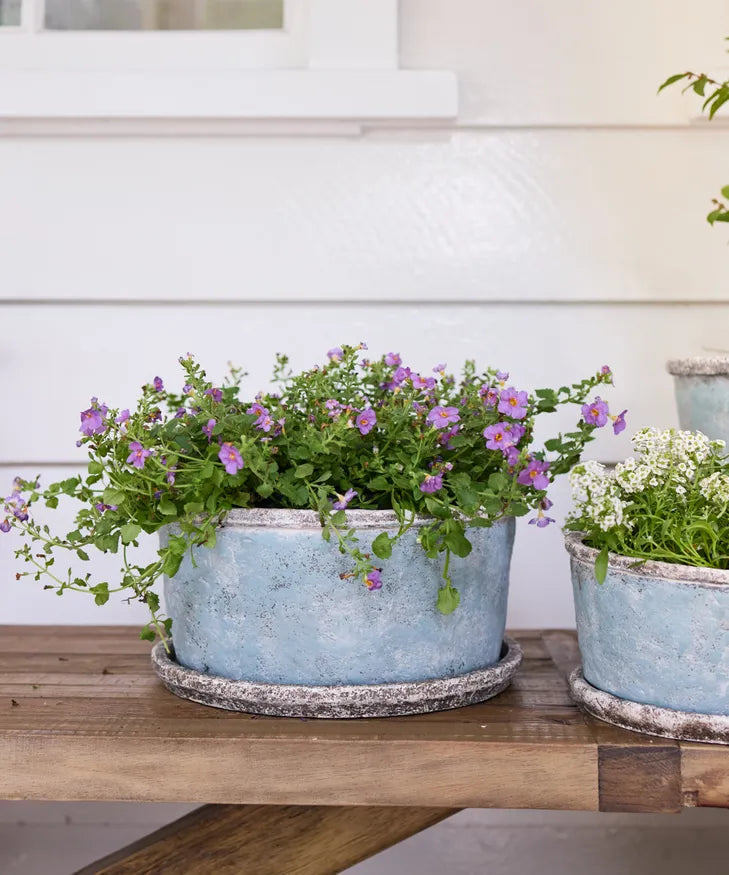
column 262, row 95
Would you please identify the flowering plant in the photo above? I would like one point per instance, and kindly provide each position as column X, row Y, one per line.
column 668, row 503
column 366, row 434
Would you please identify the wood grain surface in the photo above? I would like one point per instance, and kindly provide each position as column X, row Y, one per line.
column 82, row 717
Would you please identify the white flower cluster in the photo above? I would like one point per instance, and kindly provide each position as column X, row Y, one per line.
column 715, row 488
column 667, row 458
column 596, row 495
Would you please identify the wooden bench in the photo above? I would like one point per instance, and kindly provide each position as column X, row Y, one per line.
column 82, row 717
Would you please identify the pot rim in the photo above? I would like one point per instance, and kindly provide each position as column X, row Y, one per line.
column 699, row 366
column 688, row 574
column 289, row 518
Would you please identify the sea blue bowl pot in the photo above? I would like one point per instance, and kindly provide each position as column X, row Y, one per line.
column 654, row 633
column 271, row 602
column 702, row 395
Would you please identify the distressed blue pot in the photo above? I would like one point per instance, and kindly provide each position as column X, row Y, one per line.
column 654, row 633
column 702, row 394
column 269, row 604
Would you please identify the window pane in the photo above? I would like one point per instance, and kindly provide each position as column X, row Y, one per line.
column 10, row 13
column 162, row 14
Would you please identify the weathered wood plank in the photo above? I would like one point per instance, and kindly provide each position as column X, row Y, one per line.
column 268, row 840
column 705, row 775
column 303, row 771
column 641, row 777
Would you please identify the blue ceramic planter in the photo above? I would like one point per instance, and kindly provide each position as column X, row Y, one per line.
column 654, row 633
column 702, row 395
column 269, row 604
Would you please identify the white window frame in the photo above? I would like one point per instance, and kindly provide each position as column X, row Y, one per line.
column 333, row 60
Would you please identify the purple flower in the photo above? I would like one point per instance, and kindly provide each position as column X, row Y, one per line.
column 534, row 475
column 490, row 396
column 159, row 386
column 444, row 438
column 502, row 376
column 264, row 422
column 343, row 500
column 515, row 431
column 122, row 418
column 439, row 369
column 208, row 429
column 439, row 416
column 619, row 422
column 596, row 412
column 257, row 409
column 499, row 436
column 231, row 458
column 170, row 476
column 432, row 483
column 512, row 456
column 102, row 508
column 154, row 415
column 423, row 383
column 540, row 520
column 92, row 421
column 336, row 354
column 393, row 360
column 5, row 525
column 365, row 363
column 215, row 394
column 373, row 579
column 366, row 421
column 138, row 455
column 187, row 389
column 332, row 404
column 180, row 413
column 513, row 403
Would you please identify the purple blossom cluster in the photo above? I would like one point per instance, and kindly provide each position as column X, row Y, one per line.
column 15, row 506
column 597, row 412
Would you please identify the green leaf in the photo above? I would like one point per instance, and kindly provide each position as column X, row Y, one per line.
column 194, row 507
column 380, row 483
column 51, row 501
column 82, row 554
column 339, row 518
column 167, row 507
column 497, row 481
column 112, row 495
column 152, row 600
column 458, row 543
column 601, row 565
column 448, row 599
column 129, row 532
column 436, row 508
column 95, row 468
column 677, row 77
column 382, row 546
column 101, row 593
column 303, row 471
column 171, row 564
column 264, row 489
column 147, row 634
column 725, row 191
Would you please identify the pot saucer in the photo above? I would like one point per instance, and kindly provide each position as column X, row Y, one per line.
column 648, row 719
column 341, row 701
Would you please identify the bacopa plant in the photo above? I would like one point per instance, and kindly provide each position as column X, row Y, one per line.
column 668, row 503
column 353, row 432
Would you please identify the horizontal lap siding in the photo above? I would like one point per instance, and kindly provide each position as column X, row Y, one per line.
column 470, row 215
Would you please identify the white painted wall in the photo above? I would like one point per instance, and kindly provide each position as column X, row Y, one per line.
column 556, row 227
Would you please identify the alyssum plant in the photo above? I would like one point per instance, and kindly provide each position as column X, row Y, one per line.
column 366, row 434
column 668, row 504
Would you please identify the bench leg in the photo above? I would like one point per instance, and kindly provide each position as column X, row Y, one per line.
column 268, row 840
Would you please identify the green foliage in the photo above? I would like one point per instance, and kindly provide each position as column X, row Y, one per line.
column 668, row 503
column 311, row 449
column 718, row 95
